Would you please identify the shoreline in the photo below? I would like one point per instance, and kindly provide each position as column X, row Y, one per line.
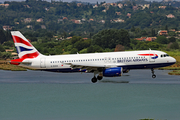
column 5, row 65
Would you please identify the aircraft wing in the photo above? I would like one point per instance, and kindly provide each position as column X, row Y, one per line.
column 90, row 67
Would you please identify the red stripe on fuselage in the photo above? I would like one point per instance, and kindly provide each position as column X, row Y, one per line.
column 17, row 39
column 148, row 54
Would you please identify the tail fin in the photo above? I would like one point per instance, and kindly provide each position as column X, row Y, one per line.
column 24, row 48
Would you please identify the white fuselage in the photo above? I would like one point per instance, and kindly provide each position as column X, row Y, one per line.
column 127, row 60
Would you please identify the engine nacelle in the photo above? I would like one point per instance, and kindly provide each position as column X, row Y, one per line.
column 113, row 72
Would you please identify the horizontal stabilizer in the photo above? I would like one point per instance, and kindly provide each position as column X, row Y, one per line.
column 19, row 61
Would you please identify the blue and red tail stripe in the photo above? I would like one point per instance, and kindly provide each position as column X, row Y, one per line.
column 25, row 50
column 17, row 39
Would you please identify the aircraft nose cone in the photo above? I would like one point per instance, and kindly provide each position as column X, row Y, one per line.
column 173, row 60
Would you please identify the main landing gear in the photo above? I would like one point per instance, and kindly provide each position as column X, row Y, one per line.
column 95, row 79
column 153, row 75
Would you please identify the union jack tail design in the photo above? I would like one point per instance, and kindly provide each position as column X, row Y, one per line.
column 24, row 48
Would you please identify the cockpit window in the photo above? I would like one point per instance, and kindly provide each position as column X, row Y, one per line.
column 164, row 55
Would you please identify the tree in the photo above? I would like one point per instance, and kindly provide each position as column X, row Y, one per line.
column 162, row 40
column 166, row 27
column 109, row 38
column 2, row 37
column 172, row 39
column 174, row 45
column 132, row 28
column 74, row 51
column 153, row 32
column 1, row 48
column 94, row 48
column 119, row 48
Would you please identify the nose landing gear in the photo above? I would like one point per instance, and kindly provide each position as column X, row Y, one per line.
column 153, row 75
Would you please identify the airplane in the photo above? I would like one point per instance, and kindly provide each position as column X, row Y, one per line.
column 108, row 64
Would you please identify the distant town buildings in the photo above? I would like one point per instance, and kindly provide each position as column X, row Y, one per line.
column 5, row 28
column 27, row 20
column 162, row 32
column 162, row 7
column 117, row 20
column 43, row 27
column 170, row 16
column 65, row 18
column 129, row 15
column 120, row 5
column 145, row 6
column 39, row 20
column 29, row 26
column 150, row 39
column 76, row 21
column 118, row 13
column 79, row 4
column 27, row 6
column 102, row 21
column 4, row 5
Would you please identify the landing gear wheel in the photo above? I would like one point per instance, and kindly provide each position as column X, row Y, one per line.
column 99, row 77
column 94, row 80
column 153, row 76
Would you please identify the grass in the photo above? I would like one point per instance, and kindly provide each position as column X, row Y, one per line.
column 174, row 72
column 4, row 65
column 176, row 55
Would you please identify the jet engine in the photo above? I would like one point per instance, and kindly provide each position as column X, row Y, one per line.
column 113, row 72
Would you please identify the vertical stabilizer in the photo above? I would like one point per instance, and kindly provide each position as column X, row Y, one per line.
column 24, row 48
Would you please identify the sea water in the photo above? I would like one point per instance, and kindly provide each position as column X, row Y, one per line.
column 38, row 95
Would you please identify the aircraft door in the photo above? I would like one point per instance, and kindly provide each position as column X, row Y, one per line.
column 105, row 59
column 43, row 62
column 109, row 59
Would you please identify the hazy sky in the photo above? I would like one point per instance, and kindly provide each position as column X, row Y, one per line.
column 91, row 1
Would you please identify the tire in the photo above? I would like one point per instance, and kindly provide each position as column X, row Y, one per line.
column 94, row 80
column 153, row 76
column 99, row 77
